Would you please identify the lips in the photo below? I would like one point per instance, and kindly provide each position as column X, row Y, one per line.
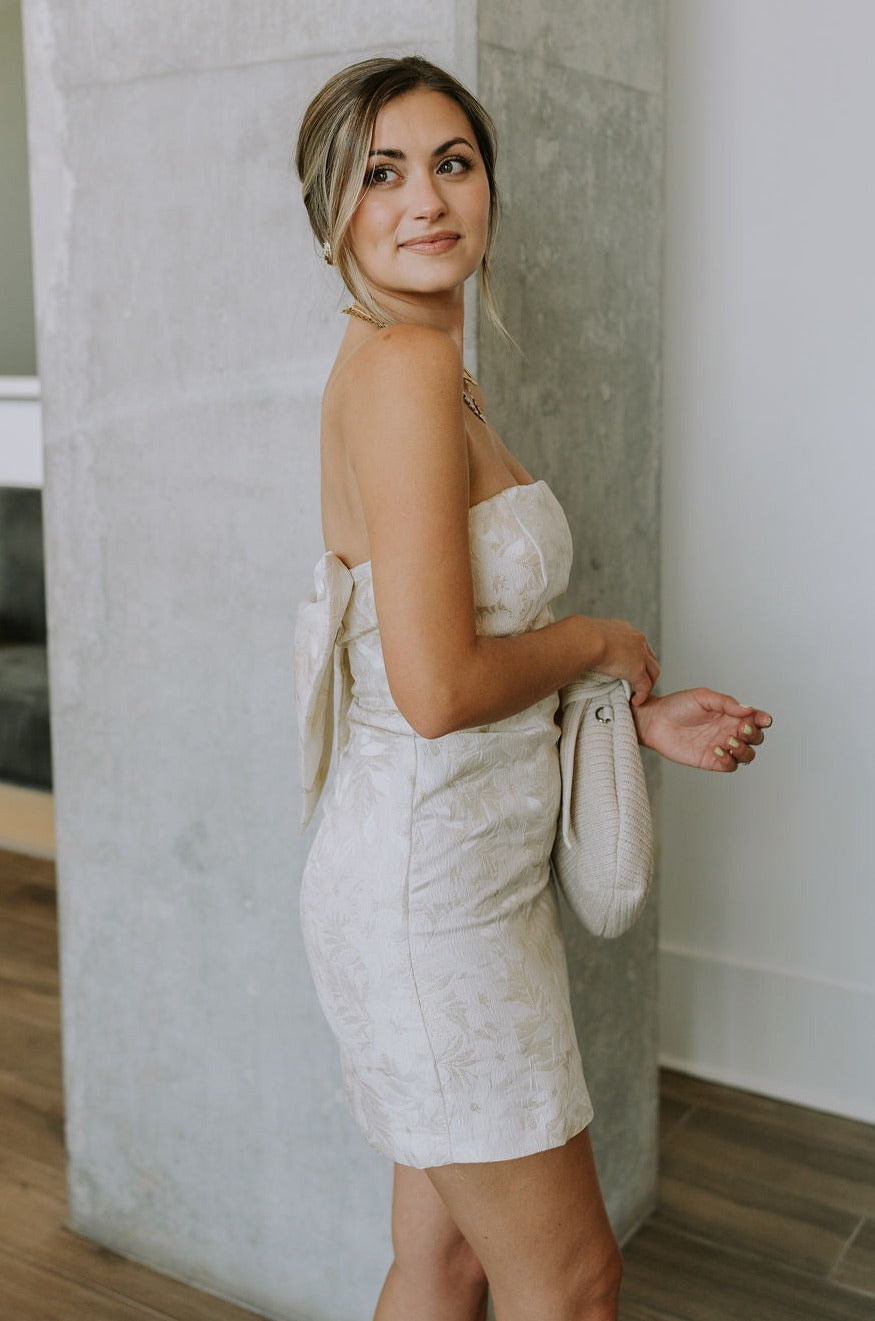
column 432, row 244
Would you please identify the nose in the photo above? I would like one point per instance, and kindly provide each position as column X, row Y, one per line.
column 428, row 200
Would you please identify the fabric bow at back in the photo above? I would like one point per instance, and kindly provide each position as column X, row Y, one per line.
column 321, row 685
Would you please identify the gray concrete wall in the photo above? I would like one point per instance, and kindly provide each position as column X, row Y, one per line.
column 185, row 328
column 576, row 88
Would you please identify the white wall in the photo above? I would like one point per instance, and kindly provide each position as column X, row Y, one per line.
column 768, row 905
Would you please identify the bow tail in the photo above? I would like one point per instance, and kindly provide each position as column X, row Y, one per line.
column 322, row 679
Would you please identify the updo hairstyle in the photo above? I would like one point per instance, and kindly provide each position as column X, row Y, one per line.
column 332, row 157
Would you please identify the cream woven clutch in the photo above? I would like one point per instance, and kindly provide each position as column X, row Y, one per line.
column 603, row 852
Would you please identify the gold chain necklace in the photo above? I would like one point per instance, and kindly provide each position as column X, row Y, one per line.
column 467, row 379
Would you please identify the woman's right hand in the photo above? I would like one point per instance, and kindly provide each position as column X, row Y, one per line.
column 625, row 653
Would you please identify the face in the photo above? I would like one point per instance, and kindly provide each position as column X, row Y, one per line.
column 420, row 228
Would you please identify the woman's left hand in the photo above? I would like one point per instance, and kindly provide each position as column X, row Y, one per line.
column 698, row 727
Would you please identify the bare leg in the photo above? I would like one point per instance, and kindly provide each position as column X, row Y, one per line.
column 540, row 1229
column 435, row 1275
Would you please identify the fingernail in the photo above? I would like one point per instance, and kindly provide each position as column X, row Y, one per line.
column 734, row 743
column 748, row 729
column 767, row 722
column 719, row 752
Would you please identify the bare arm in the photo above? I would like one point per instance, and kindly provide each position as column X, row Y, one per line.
column 403, row 424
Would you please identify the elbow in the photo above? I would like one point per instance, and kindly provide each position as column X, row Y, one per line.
column 432, row 711
column 432, row 724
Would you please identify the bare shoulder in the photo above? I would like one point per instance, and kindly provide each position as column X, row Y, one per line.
column 396, row 408
column 413, row 360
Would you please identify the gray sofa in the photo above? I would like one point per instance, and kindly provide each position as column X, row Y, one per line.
column 25, row 740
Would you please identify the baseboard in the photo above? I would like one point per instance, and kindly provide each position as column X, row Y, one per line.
column 772, row 1031
column 27, row 821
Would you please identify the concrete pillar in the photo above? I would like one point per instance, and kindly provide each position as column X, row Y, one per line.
column 184, row 332
column 576, row 87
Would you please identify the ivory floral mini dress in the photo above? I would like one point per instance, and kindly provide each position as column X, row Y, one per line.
column 429, row 916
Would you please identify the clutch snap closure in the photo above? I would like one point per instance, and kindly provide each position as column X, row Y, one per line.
column 604, row 714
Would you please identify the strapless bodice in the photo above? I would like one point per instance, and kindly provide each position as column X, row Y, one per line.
column 520, row 560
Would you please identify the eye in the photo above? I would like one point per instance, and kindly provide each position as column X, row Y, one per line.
column 379, row 174
column 455, row 165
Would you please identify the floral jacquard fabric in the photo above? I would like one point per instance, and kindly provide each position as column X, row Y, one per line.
column 429, row 917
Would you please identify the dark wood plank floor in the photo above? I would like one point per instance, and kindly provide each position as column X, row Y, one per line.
column 767, row 1210
column 767, row 1213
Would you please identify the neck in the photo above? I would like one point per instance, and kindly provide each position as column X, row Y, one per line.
column 444, row 311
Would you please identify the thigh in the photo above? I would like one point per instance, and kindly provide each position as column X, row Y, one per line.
column 424, row 1233
column 539, row 1226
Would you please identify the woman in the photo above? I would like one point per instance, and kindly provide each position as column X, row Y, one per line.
column 429, row 918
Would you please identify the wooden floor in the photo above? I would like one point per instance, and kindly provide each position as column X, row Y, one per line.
column 767, row 1210
column 767, row 1213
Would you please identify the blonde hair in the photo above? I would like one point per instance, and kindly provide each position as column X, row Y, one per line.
column 332, row 157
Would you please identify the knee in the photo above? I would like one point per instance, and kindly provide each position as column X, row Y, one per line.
column 450, row 1266
column 586, row 1286
column 468, row 1266
column 597, row 1287
column 462, row 1267
column 612, row 1272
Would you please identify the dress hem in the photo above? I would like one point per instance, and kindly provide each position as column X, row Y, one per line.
column 470, row 1155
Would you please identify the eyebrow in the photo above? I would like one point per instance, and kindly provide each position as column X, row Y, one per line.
column 395, row 155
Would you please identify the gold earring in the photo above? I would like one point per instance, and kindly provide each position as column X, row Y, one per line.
column 326, row 252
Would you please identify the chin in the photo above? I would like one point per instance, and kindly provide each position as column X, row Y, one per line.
column 437, row 281
column 418, row 289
